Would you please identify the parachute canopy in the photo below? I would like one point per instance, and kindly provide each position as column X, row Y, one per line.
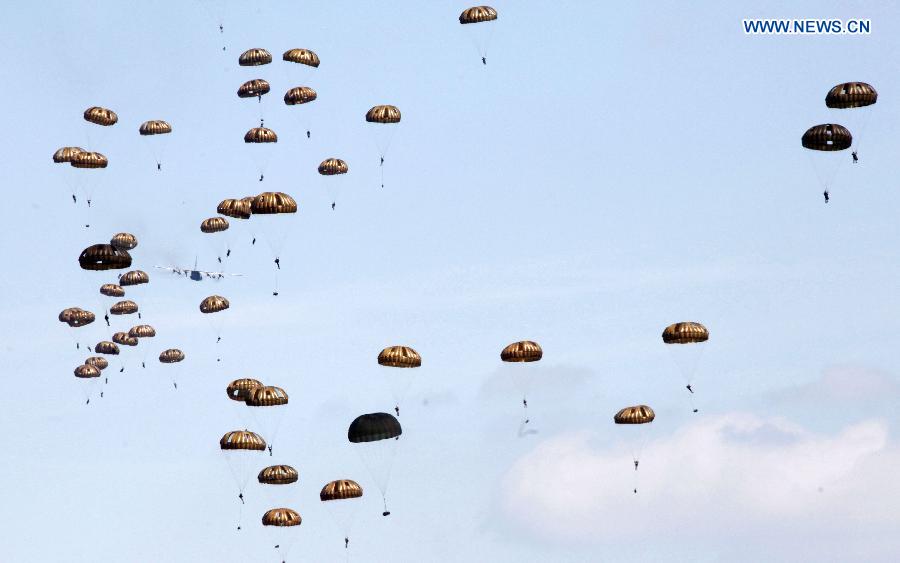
column 299, row 95
column 478, row 14
column 237, row 390
column 154, row 127
column 269, row 203
column 106, row 347
column 171, row 356
column 340, row 490
column 301, row 56
column 235, row 208
column 399, row 357
column 87, row 159
column 142, row 331
column 333, row 167
column 76, row 317
column 104, row 257
column 101, row 116
column 278, row 475
column 242, row 440
column 255, row 57
column 123, row 339
column 383, row 114
column 687, row 332
column 260, row 135
column 281, row 517
column 373, row 427
column 827, row 137
column 253, row 88
column 214, row 304
column 124, row 307
column 125, row 241
column 66, row 154
column 112, row 290
column 265, row 396
column 97, row 362
column 638, row 414
column 851, row 95
column 214, row 225
column 86, row 371
column 134, row 277
column 522, row 351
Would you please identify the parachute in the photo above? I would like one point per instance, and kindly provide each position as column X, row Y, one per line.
column 338, row 496
column 238, row 389
column 101, row 116
column 852, row 102
column 124, row 241
column 255, row 57
column 221, row 244
column 124, row 307
column 255, row 88
column 87, row 159
column 301, row 56
column 399, row 357
column 211, row 305
column 275, row 230
column 480, row 34
column 134, row 277
column 825, row 140
column 107, row 348
column 380, row 116
column 142, row 331
column 638, row 418
column 278, row 475
column 155, row 129
column 259, row 138
column 65, row 155
column 123, row 339
column 376, row 436
column 169, row 357
column 239, row 448
column 101, row 257
column 76, row 317
column 524, row 351
column 267, row 418
column 299, row 95
column 112, row 290
column 98, row 362
column 234, row 208
column 334, row 167
column 683, row 340
column 278, row 521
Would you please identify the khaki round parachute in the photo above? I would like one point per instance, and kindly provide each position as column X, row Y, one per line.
column 171, row 356
column 142, row 331
column 76, row 317
column 269, row 203
column 255, row 57
column 851, row 95
column 214, row 225
column 124, row 307
column 260, row 135
column 265, row 396
column 66, row 154
column 87, row 159
column 125, row 241
column 155, row 127
column 523, row 351
column 101, row 116
column 85, row 371
column 106, row 347
column 340, row 490
column 123, row 339
column 278, row 475
column 638, row 414
column 383, row 114
column 299, row 95
column 301, row 56
column 281, row 517
column 242, row 440
column 97, row 362
column 827, row 137
column 112, row 290
column 235, row 208
column 399, row 357
column 214, row 304
column 253, row 88
column 134, row 277
column 685, row 333
column 100, row 257
column 238, row 389
column 478, row 14
column 333, row 167
column 373, row 427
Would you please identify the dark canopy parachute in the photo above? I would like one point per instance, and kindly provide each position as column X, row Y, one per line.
column 171, row 356
column 100, row 257
column 124, row 307
column 87, row 371
column 376, row 435
column 125, row 241
column 107, row 348
column 333, row 167
column 301, row 56
column 255, row 88
column 142, row 331
column 827, row 137
column 134, row 277
column 112, row 290
column 214, row 304
column 299, row 95
column 373, row 427
column 154, row 127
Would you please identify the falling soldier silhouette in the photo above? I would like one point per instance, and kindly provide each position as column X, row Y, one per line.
column 825, row 193
column 855, row 157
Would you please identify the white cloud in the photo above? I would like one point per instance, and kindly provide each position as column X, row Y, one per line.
column 736, row 475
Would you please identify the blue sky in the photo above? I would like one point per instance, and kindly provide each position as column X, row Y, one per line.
column 610, row 171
